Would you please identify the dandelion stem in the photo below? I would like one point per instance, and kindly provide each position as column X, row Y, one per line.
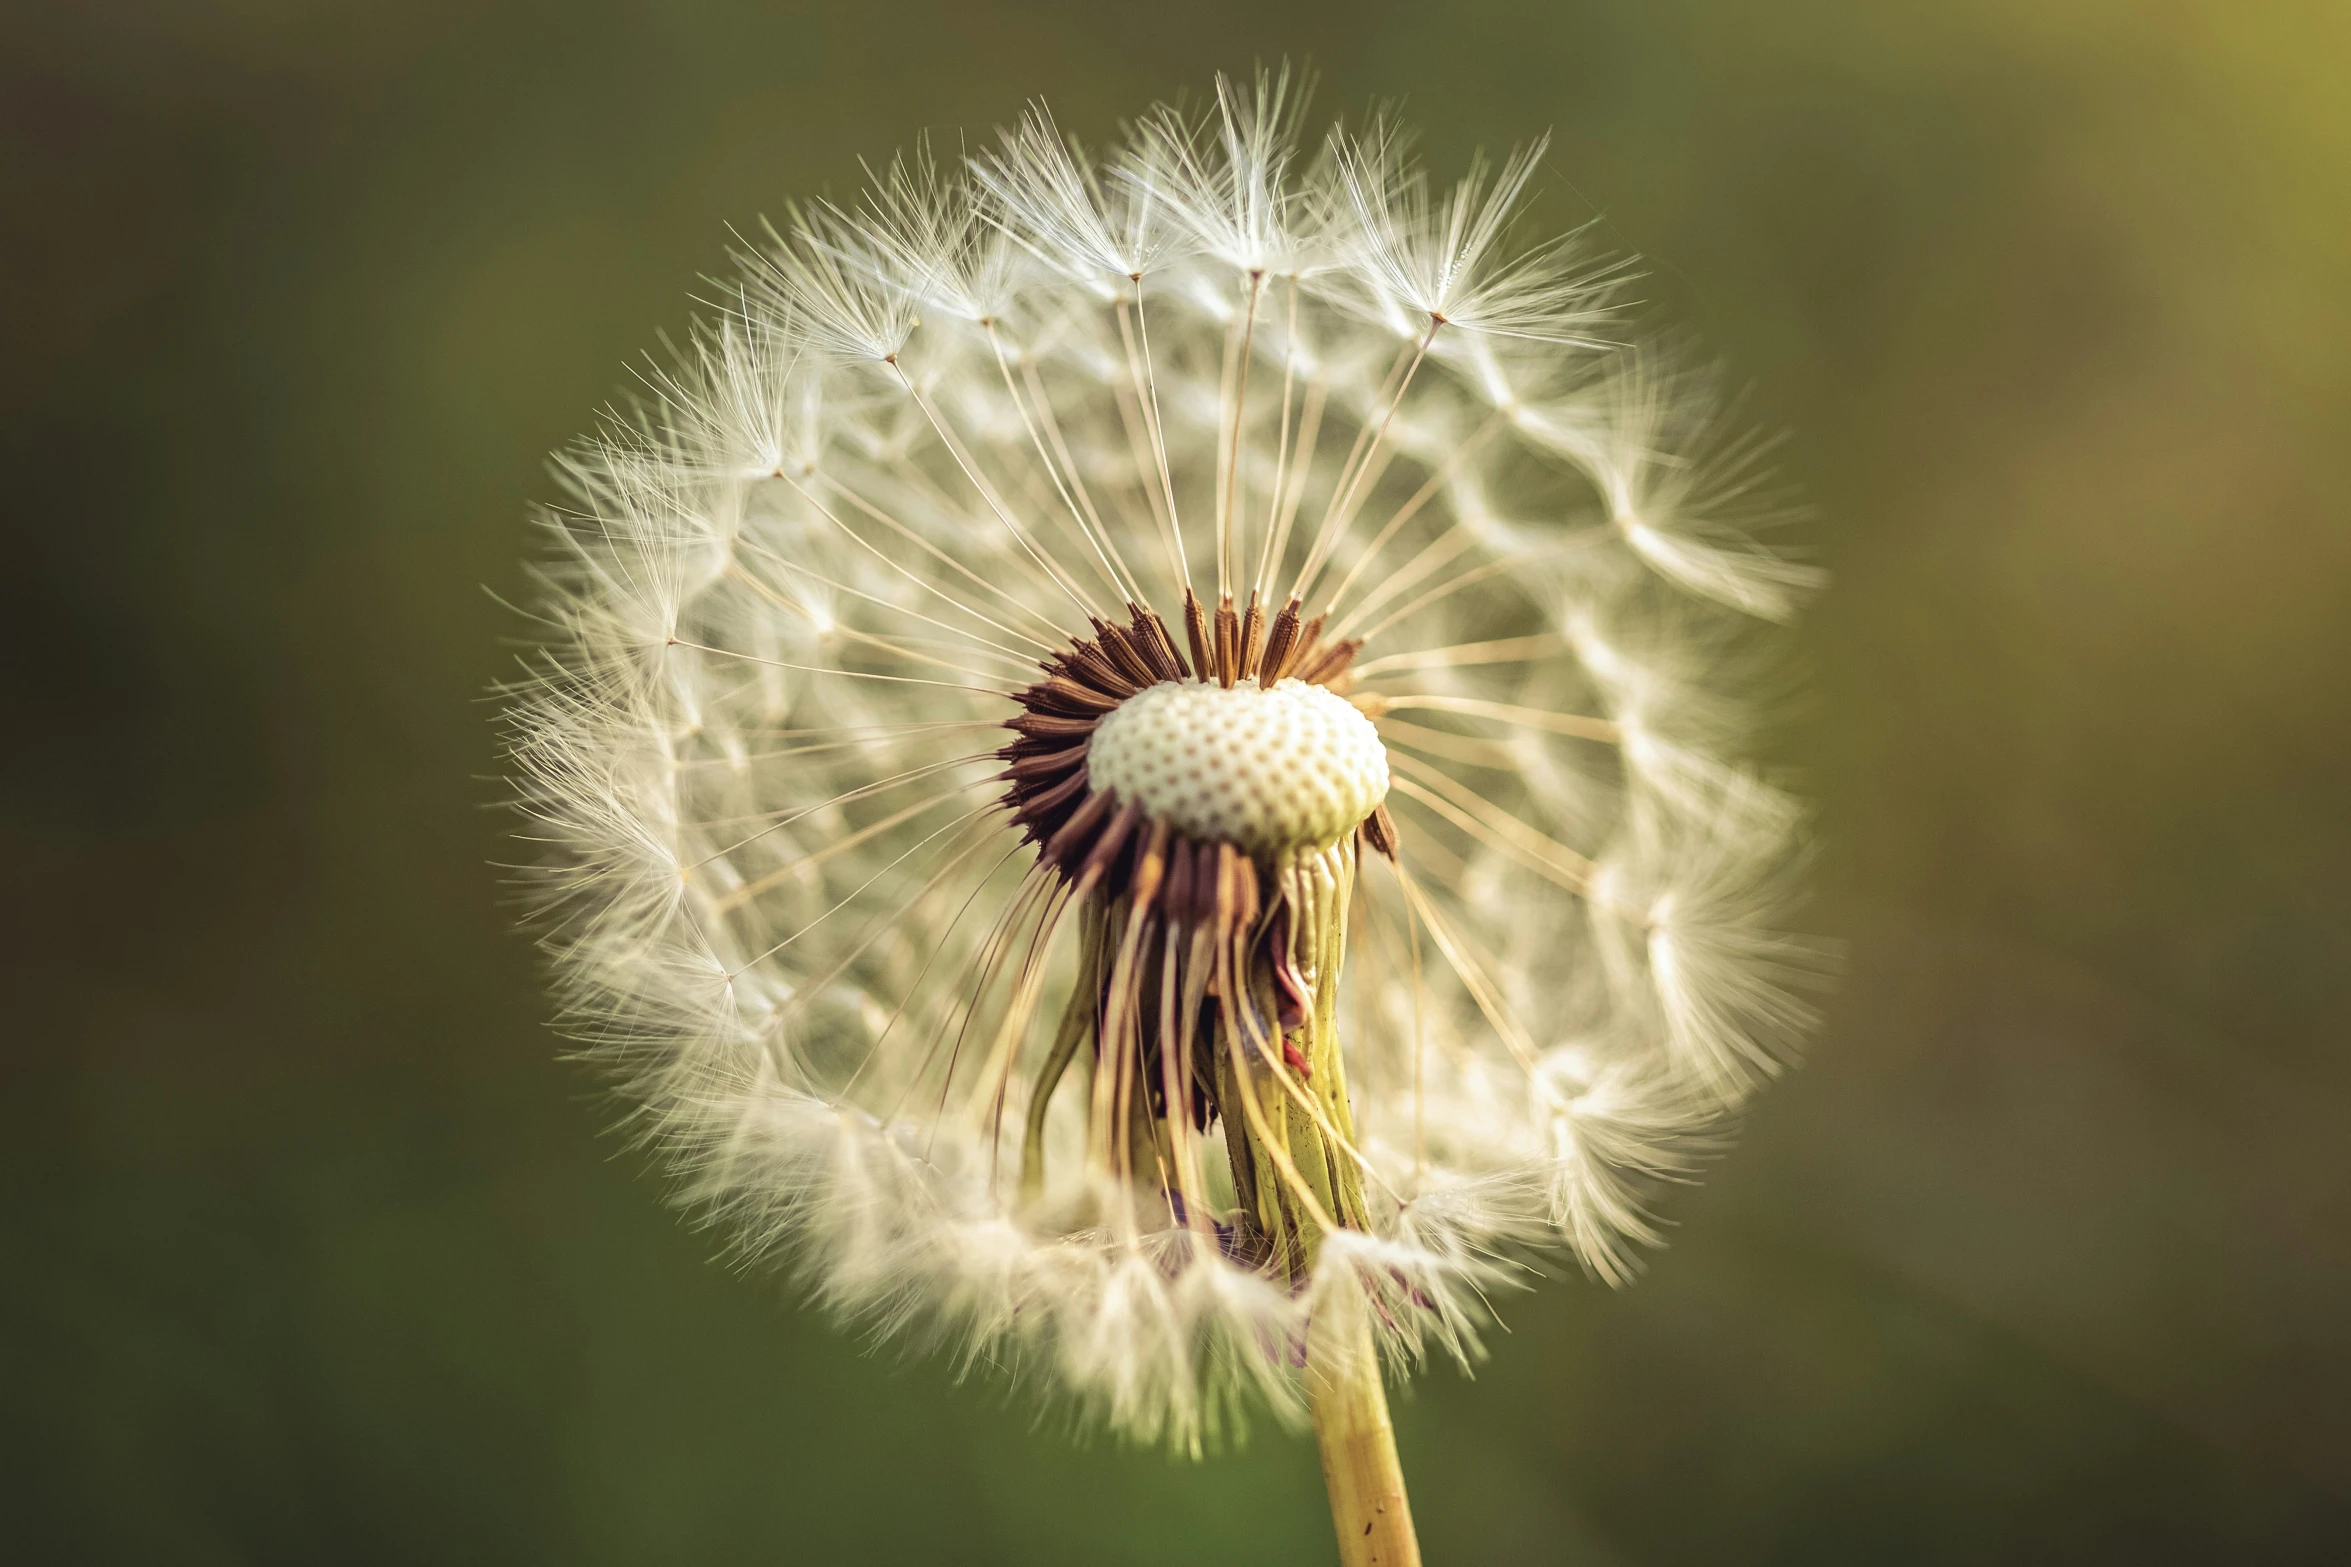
column 1369, row 1510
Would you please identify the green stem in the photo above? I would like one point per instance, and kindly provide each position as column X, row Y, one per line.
column 1368, row 1506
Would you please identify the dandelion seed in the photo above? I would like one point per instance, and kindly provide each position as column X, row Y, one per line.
column 1135, row 769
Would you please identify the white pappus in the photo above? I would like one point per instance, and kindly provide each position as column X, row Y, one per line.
column 1063, row 1081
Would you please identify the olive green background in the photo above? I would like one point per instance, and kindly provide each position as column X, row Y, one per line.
column 314, row 1251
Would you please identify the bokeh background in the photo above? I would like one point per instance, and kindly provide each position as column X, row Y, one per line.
column 314, row 1251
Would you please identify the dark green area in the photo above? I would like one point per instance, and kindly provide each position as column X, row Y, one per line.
column 310, row 1249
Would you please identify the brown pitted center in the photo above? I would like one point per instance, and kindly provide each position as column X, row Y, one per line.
column 1272, row 769
column 1129, row 756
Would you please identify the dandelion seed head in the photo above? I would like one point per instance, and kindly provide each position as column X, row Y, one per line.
column 1138, row 750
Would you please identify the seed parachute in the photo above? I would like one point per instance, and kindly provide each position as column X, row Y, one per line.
column 1135, row 760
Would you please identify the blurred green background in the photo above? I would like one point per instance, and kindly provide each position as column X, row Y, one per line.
column 314, row 1252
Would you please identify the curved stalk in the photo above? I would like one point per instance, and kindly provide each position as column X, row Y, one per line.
column 1369, row 1509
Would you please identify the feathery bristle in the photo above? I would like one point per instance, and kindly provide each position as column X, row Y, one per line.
column 1008, row 1062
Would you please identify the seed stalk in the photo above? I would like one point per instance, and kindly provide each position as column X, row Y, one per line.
column 1369, row 1510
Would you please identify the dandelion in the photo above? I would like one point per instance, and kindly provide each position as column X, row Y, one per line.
column 1135, row 762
